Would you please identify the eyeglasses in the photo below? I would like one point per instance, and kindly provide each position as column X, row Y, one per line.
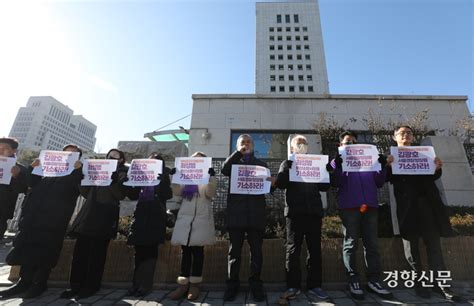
column 403, row 133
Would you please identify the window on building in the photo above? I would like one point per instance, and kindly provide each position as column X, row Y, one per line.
column 297, row 29
column 305, row 38
column 298, row 38
column 308, row 67
column 298, row 57
column 278, row 18
column 272, row 47
column 307, row 57
column 301, row 88
column 300, row 78
column 272, row 57
column 280, row 57
column 280, row 47
column 305, row 29
column 290, row 67
column 300, row 67
column 280, row 38
column 272, row 29
column 272, row 67
column 287, row 18
column 291, row 77
column 281, row 78
column 298, row 47
column 272, row 38
column 290, row 57
column 306, row 47
column 272, row 88
column 310, row 89
column 281, row 67
column 278, row 29
column 288, row 38
column 288, row 29
column 288, row 47
column 272, row 77
column 296, row 18
column 309, row 77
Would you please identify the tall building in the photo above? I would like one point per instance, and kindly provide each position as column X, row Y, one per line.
column 47, row 124
column 290, row 52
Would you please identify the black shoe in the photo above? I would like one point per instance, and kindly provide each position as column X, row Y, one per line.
column 230, row 293
column 70, row 293
column 85, row 293
column 142, row 292
column 423, row 292
column 449, row 295
column 35, row 290
column 131, row 291
column 257, row 293
column 16, row 289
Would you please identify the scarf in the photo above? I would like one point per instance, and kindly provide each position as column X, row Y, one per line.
column 189, row 191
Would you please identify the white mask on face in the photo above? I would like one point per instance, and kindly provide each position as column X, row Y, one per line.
column 301, row 148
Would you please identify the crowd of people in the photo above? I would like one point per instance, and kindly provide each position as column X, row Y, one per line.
column 50, row 202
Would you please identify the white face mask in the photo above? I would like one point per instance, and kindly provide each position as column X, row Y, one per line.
column 301, row 148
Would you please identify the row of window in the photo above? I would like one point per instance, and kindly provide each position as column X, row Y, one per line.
column 296, row 18
column 291, row 88
column 291, row 77
column 289, row 67
column 287, row 29
column 288, row 47
column 289, row 57
column 288, row 38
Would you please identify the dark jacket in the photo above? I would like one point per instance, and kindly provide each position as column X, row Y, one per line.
column 408, row 191
column 9, row 193
column 44, row 219
column 244, row 211
column 149, row 219
column 98, row 217
column 302, row 199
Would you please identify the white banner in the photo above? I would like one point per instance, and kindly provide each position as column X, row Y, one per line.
column 359, row 158
column 247, row 179
column 6, row 165
column 192, row 170
column 144, row 172
column 417, row 160
column 309, row 168
column 98, row 172
column 56, row 163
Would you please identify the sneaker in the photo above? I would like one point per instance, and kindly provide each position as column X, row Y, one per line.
column 449, row 295
column 318, row 292
column 356, row 291
column 230, row 293
column 378, row 289
column 291, row 293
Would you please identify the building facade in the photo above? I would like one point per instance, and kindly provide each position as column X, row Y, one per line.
column 47, row 124
column 289, row 49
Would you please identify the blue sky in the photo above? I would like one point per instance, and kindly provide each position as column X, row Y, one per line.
column 131, row 66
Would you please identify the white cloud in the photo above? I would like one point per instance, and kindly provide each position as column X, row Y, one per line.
column 103, row 84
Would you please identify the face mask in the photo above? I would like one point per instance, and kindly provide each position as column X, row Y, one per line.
column 301, row 148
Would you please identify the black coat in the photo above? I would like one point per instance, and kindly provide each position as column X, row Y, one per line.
column 244, row 211
column 99, row 216
column 9, row 193
column 44, row 219
column 302, row 199
column 408, row 190
column 149, row 219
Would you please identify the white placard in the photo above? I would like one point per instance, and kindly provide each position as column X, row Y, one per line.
column 247, row 179
column 309, row 168
column 359, row 158
column 98, row 172
column 144, row 172
column 6, row 165
column 416, row 160
column 56, row 163
column 192, row 170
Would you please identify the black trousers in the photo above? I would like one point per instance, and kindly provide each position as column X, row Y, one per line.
column 429, row 231
column 145, row 262
column 34, row 274
column 88, row 263
column 255, row 240
column 192, row 260
column 3, row 226
column 297, row 229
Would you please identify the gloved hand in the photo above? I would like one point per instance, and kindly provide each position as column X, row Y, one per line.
column 159, row 177
column 211, row 172
column 329, row 168
column 173, row 171
column 114, row 177
column 338, row 161
column 288, row 164
column 382, row 160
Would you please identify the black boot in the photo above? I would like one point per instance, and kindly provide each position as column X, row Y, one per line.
column 14, row 290
column 35, row 290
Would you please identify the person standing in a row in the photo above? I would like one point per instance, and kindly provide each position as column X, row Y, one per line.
column 148, row 229
column 193, row 230
column 9, row 193
column 245, row 216
column 44, row 219
column 94, row 226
